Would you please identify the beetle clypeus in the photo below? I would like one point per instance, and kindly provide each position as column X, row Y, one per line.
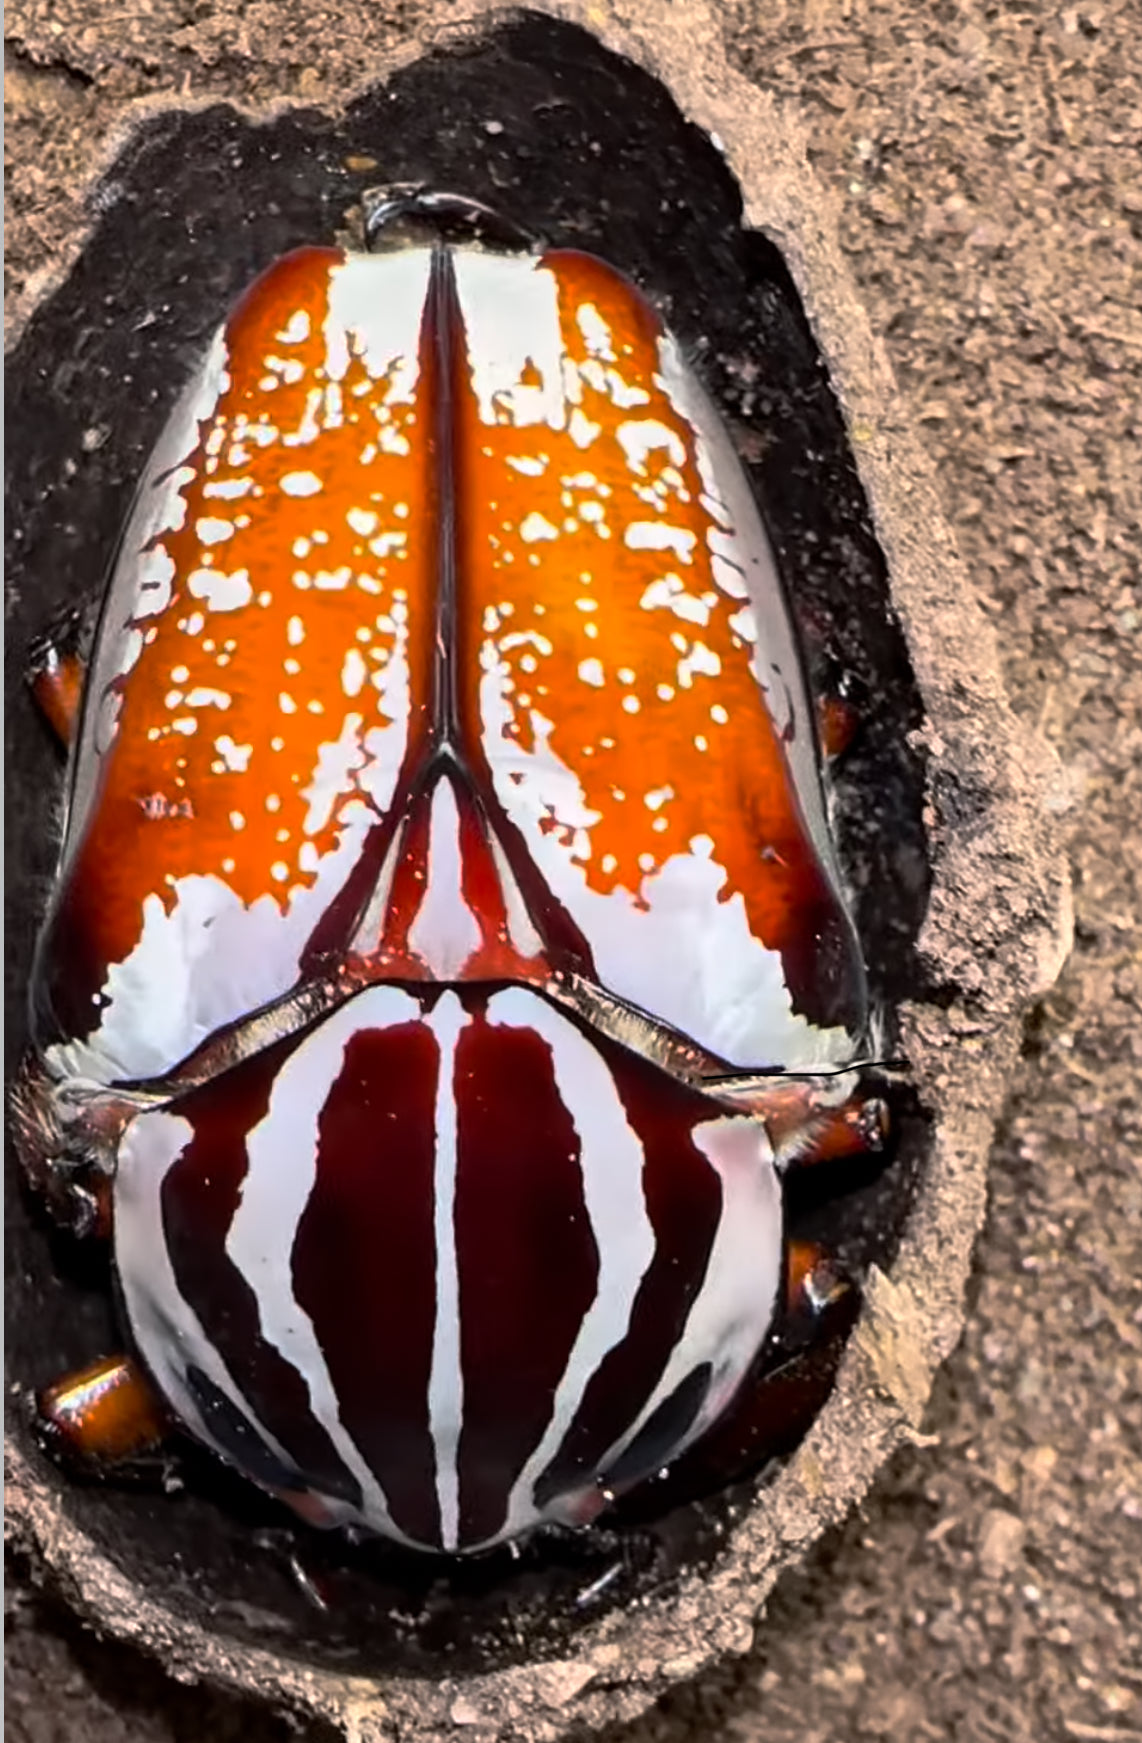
column 448, row 953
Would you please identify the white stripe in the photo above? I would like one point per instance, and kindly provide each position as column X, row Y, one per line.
column 611, row 1163
column 378, row 299
column 166, row 1329
column 510, row 309
column 446, row 1385
column 282, row 1151
column 734, row 1307
column 444, row 933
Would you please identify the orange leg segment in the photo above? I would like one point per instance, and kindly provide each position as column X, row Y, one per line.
column 102, row 1414
column 57, row 684
column 837, row 724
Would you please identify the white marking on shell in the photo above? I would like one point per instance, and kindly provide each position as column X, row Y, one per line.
column 282, row 1152
column 611, row 1164
column 209, row 530
column 521, row 931
column 337, row 762
column 500, row 348
column 445, row 932
column 591, row 672
column 376, row 300
column 581, row 429
column 535, row 527
column 221, row 591
column 446, row 1383
column 166, row 1329
column 672, row 945
column 668, row 593
column 354, row 673
column 657, row 535
column 595, row 331
column 733, row 1309
column 641, row 437
column 296, row 329
column 300, row 483
column 155, row 579
column 236, row 757
column 228, row 488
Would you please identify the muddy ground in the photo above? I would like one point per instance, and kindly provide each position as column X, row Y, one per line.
column 986, row 162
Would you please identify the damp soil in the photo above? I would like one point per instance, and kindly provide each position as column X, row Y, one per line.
column 989, row 1587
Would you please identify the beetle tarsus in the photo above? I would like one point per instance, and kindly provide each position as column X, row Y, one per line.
column 56, row 669
column 104, row 1416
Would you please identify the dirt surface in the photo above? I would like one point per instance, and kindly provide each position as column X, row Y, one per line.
column 987, row 168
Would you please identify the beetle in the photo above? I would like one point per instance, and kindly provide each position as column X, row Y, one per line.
column 448, row 952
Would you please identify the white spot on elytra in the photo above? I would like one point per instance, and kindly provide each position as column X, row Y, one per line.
column 642, row 436
column 591, row 672
column 354, row 673
column 295, row 330
column 220, row 591
column 669, row 593
column 212, row 531
column 236, row 757
column 581, row 430
column 300, row 483
column 535, row 527
column 656, row 535
column 229, row 488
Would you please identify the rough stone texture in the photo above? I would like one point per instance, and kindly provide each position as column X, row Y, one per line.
column 925, row 1618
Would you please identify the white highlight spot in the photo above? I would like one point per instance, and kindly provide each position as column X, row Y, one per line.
column 591, row 672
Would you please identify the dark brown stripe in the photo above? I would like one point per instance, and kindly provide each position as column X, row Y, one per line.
column 364, row 1260
column 200, row 1195
column 528, row 1263
column 684, row 1202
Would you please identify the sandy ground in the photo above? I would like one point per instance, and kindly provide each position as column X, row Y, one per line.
column 987, row 163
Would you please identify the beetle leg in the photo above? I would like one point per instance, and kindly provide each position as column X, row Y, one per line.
column 804, row 1130
column 104, row 1414
column 68, row 1161
column 56, row 672
column 838, row 723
